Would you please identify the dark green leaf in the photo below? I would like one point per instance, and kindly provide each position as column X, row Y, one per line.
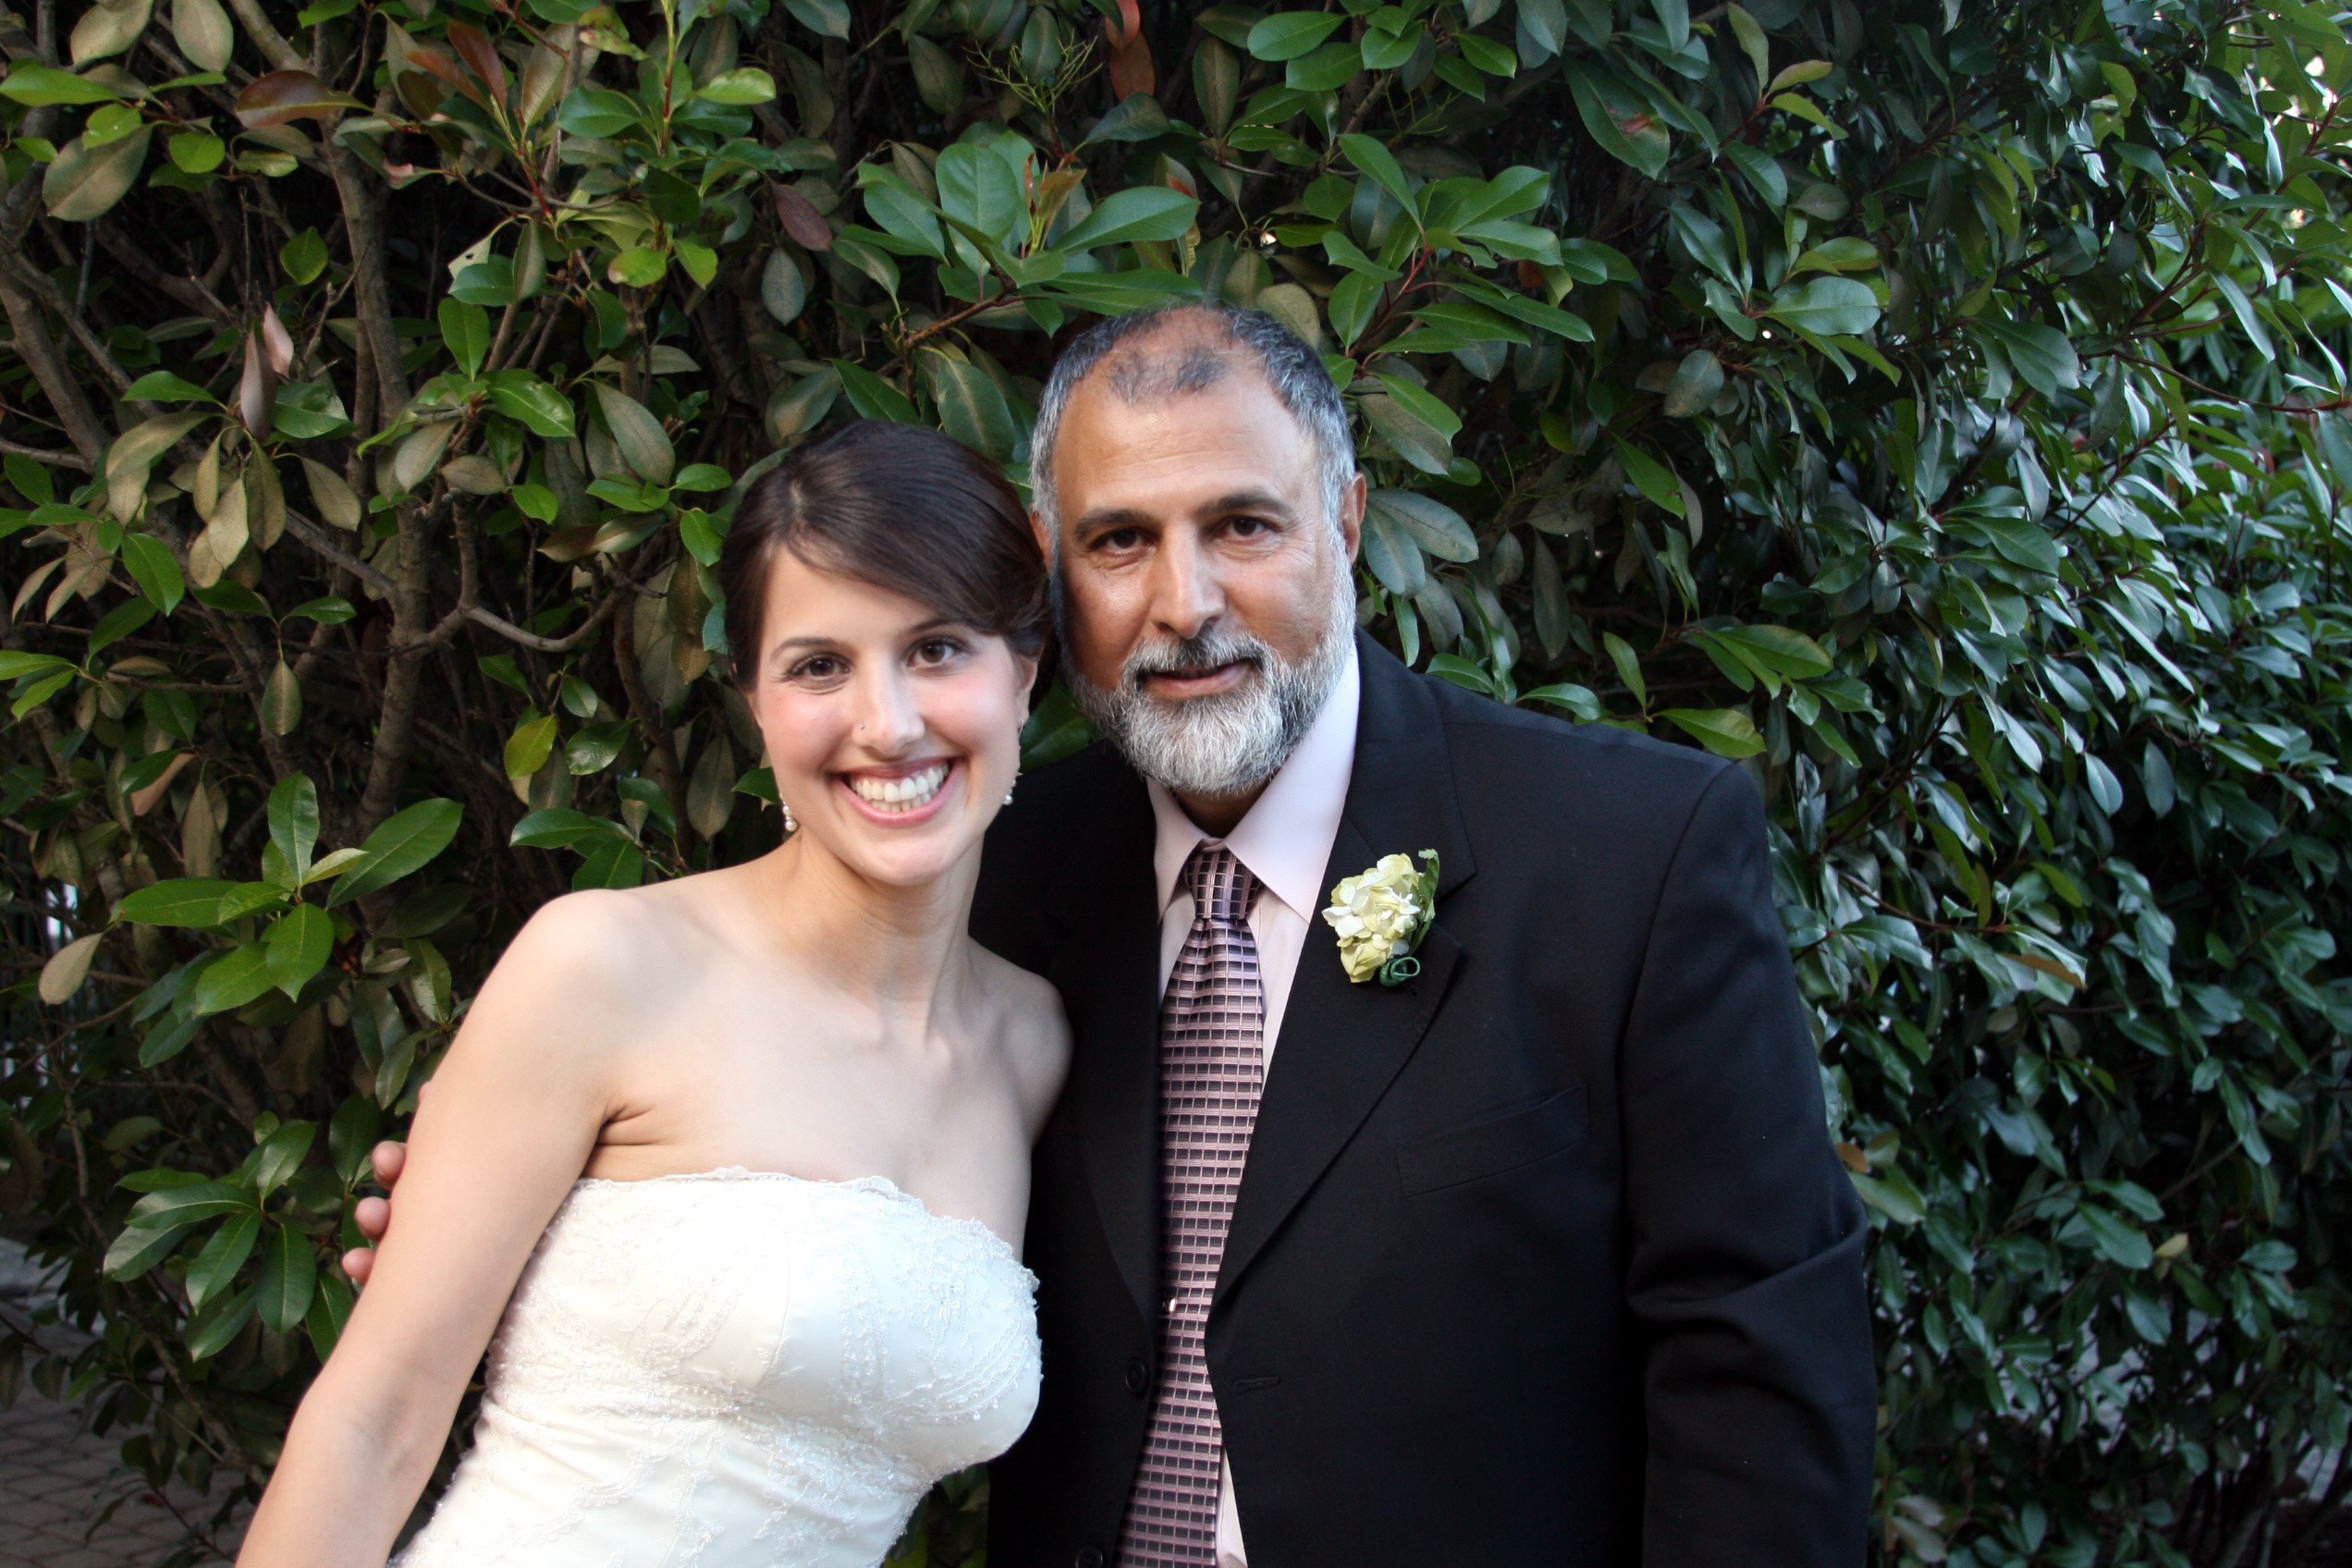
column 1137, row 213
column 215, row 1269
column 186, row 901
column 520, row 394
column 406, row 842
column 290, row 1275
column 1288, row 34
column 1826, row 306
column 299, row 943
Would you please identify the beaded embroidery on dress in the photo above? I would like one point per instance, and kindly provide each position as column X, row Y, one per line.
column 737, row 1369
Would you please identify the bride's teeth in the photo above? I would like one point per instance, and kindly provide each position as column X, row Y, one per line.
column 901, row 794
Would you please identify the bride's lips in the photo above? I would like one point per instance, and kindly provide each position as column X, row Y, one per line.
column 1205, row 682
column 938, row 776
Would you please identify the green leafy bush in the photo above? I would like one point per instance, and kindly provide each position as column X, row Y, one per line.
column 1940, row 406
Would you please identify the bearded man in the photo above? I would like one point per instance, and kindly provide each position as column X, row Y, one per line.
column 1540, row 1254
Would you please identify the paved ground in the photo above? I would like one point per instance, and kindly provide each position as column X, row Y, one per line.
column 56, row 1478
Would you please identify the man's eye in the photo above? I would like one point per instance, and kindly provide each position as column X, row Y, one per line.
column 1246, row 527
column 1119, row 539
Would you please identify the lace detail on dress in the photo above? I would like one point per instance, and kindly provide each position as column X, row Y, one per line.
column 732, row 1368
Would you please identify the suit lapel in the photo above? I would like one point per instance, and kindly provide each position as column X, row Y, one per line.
column 1342, row 1044
column 1108, row 971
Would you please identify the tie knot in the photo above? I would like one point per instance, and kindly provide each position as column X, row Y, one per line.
column 1222, row 888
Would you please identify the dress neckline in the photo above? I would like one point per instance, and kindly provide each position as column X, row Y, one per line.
column 880, row 1186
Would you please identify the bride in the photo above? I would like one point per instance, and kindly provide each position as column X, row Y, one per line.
column 736, row 1166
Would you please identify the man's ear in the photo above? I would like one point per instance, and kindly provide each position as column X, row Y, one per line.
column 1352, row 515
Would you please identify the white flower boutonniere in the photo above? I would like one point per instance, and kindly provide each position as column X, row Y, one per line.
column 1381, row 915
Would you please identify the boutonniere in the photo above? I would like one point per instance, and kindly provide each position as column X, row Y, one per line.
column 1381, row 915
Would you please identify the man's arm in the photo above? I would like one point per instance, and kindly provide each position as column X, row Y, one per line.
column 1747, row 1237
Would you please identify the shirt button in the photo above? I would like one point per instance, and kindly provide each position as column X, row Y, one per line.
column 1138, row 1375
column 1090, row 1556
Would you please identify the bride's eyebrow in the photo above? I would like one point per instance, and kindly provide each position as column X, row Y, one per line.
column 786, row 648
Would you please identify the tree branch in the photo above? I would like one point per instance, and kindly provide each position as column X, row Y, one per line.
column 40, row 354
column 58, row 459
column 319, row 542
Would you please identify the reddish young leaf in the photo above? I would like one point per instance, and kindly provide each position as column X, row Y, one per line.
column 481, row 57
column 801, row 220
column 1131, row 62
column 449, row 72
column 283, row 97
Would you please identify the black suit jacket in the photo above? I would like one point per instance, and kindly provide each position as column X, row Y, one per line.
column 1541, row 1257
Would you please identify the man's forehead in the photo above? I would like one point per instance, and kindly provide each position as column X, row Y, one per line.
column 1214, row 440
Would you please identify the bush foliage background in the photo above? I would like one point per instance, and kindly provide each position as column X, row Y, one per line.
column 1941, row 406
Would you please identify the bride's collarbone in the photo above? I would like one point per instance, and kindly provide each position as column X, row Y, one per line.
column 823, row 1109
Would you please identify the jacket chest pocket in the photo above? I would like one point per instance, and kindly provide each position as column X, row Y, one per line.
column 1492, row 1145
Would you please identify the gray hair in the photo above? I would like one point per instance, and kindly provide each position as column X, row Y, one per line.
column 1291, row 368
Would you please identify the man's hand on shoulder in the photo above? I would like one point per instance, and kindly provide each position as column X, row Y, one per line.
column 373, row 1215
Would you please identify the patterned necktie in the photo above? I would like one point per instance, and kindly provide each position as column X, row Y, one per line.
column 1212, row 1067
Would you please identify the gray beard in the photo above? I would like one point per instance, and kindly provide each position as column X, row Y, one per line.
column 1233, row 742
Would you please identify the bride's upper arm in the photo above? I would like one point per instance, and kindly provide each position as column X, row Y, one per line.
column 515, row 1109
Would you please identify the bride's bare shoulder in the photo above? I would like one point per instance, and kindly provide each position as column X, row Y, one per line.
column 1032, row 1029
column 613, row 954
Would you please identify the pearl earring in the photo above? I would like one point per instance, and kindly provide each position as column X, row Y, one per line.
column 1008, row 789
column 790, row 826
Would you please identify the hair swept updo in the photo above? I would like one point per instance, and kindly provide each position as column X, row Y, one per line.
column 898, row 507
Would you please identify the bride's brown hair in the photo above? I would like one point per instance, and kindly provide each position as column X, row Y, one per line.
column 901, row 508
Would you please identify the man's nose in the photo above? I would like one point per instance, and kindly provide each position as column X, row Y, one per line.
column 1187, row 592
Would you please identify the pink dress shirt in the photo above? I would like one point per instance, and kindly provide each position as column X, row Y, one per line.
column 1286, row 841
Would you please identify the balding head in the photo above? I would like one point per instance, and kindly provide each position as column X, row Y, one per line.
column 1186, row 350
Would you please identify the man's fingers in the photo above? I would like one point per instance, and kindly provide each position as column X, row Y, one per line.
column 389, row 1159
column 373, row 1216
column 358, row 1262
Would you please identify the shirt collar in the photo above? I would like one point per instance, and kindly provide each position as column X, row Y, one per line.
column 1286, row 838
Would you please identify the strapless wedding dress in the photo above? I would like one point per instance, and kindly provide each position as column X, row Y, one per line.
column 737, row 1369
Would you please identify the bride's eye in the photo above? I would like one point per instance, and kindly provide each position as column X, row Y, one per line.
column 817, row 668
column 933, row 652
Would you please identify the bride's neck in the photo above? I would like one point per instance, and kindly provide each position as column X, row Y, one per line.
column 899, row 950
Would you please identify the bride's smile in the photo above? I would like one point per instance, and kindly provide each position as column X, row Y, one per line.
column 901, row 797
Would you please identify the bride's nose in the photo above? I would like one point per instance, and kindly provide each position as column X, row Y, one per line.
column 889, row 722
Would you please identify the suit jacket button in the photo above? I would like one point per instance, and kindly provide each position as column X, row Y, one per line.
column 1138, row 1376
column 1090, row 1556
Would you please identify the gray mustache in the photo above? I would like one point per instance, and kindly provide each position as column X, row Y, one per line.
column 1194, row 652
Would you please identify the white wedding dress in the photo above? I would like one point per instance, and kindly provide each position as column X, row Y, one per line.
column 737, row 1369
